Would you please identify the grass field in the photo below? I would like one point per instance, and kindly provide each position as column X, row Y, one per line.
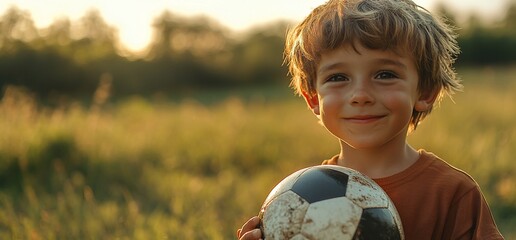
column 142, row 169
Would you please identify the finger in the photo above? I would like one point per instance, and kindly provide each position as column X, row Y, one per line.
column 252, row 235
column 250, row 224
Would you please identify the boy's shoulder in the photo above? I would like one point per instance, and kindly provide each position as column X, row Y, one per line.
column 429, row 170
column 440, row 171
column 431, row 175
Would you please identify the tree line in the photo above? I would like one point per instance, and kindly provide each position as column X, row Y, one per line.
column 70, row 59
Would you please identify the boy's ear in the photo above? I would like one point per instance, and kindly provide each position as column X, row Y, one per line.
column 313, row 102
column 426, row 101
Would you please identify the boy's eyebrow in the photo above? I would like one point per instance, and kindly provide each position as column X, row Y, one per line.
column 388, row 61
column 380, row 61
column 329, row 67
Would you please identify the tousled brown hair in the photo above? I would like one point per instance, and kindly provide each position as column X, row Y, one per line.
column 397, row 25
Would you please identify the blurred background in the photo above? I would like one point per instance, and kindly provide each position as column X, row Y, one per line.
column 174, row 119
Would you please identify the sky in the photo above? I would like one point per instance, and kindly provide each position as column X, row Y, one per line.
column 133, row 18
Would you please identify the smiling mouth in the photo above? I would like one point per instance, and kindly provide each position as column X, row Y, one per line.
column 364, row 118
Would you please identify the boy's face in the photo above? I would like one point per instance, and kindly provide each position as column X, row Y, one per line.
column 366, row 98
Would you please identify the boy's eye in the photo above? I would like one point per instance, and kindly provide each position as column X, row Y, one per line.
column 337, row 78
column 385, row 75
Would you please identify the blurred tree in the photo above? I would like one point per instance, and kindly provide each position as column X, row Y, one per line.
column 259, row 55
column 188, row 52
column 58, row 33
column 16, row 25
column 175, row 36
column 509, row 21
column 93, row 26
column 163, row 28
column 474, row 24
column 44, row 72
column 489, row 44
column 95, row 38
column 185, row 53
column 62, row 61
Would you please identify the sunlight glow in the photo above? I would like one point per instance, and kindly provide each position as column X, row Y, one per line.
column 133, row 19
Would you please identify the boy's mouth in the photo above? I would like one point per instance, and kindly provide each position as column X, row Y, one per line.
column 364, row 118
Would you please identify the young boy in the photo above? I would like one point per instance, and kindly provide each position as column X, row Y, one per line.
column 371, row 70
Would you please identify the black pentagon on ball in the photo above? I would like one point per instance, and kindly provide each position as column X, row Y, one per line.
column 377, row 224
column 318, row 184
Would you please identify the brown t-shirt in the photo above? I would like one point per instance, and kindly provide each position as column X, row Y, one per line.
column 438, row 201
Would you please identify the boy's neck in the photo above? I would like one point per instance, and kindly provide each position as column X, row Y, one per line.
column 378, row 163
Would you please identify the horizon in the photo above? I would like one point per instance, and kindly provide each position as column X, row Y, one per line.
column 135, row 33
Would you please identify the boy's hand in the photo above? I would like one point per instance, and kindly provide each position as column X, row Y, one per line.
column 250, row 230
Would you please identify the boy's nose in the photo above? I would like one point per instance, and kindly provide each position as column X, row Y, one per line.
column 361, row 95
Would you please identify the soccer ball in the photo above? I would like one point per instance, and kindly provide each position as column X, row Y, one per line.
column 329, row 202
